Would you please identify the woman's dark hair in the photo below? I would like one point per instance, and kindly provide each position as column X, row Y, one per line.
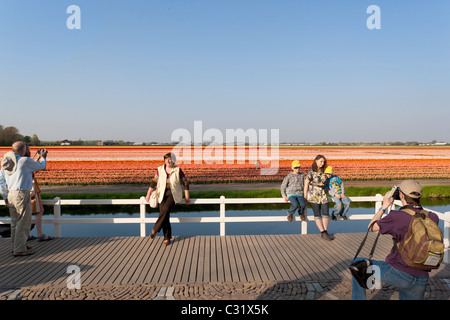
column 169, row 155
column 314, row 165
column 28, row 153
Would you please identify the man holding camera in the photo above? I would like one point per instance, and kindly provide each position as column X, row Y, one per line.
column 16, row 180
column 410, row 281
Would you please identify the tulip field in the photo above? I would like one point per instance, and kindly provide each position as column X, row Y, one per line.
column 137, row 165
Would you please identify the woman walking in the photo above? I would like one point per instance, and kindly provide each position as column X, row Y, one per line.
column 316, row 194
column 168, row 180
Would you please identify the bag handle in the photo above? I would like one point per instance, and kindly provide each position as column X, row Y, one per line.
column 364, row 241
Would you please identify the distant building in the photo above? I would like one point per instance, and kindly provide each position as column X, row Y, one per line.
column 66, row 143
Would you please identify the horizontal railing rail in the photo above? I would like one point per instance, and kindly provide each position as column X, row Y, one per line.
column 222, row 219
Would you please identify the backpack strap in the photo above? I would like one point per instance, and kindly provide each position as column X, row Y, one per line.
column 423, row 213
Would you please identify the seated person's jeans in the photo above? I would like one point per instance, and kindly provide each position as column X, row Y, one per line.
column 341, row 205
column 297, row 203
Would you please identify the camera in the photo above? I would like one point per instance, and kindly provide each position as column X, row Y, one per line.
column 359, row 270
column 395, row 193
column 42, row 152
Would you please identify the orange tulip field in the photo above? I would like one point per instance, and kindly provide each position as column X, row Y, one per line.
column 137, row 165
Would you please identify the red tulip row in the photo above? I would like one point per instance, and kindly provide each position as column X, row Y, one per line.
column 141, row 172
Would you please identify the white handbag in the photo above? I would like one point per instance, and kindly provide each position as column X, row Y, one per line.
column 154, row 199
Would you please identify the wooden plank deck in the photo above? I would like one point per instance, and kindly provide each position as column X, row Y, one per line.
column 198, row 259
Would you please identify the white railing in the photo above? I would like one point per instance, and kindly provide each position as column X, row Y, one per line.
column 57, row 220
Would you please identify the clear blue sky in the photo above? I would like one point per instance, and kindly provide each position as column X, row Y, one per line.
column 138, row 70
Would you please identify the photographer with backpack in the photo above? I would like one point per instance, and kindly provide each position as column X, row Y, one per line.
column 406, row 266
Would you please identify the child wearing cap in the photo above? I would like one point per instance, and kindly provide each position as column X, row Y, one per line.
column 292, row 191
column 337, row 192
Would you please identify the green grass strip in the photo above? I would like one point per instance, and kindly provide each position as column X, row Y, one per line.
column 429, row 192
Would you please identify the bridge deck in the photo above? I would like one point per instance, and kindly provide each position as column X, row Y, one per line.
column 197, row 259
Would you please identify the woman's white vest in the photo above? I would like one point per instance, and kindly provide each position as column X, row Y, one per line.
column 175, row 183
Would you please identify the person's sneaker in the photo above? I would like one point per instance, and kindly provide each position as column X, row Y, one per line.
column 344, row 217
column 289, row 217
column 326, row 236
column 333, row 217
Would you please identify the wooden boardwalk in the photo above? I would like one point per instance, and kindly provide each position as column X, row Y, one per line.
column 197, row 259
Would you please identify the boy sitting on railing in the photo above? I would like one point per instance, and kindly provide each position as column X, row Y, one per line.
column 337, row 192
column 292, row 190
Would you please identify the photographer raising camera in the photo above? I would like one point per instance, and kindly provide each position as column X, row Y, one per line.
column 406, row 267
column 16, row 183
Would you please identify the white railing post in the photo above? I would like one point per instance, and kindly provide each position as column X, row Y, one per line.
column 447, row 238
column 57, row 216
column 378, row 202
column 304, row 227
column 304, row 224
column 222, row 215
column 142, row 216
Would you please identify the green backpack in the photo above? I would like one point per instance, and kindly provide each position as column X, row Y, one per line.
column 423, row 244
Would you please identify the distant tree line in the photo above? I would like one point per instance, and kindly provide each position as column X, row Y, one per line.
column 8, row 135
column 395, row 143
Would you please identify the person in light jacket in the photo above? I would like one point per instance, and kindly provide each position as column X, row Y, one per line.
column 16, row 181
column 169, row 180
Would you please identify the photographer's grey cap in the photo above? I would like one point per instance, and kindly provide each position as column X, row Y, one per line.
column 411, row 188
